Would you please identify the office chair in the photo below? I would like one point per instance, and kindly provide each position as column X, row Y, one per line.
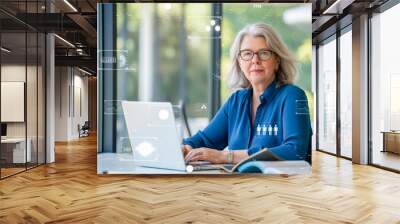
column 84, row 130
column 182, row 108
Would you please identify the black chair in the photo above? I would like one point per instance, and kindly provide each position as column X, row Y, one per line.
column 84, row 130
column 182, row 108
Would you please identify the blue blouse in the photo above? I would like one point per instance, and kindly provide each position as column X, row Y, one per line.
column 282, row 124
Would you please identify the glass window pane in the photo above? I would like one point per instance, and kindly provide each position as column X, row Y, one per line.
column 327, row 97
column 346, row 94
column 173, row 37
column 385, row 89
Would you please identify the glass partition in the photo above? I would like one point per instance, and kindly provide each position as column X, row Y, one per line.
column 13, row 105
column 346, row 94
column 385, row 89
column 22, row 89
column 327, row 96
column 174, row 37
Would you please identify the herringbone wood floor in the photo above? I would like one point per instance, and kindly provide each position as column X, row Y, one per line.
column 70, row 191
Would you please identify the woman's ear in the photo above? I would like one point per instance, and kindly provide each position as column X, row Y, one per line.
column 239, row 65
column 277, row 65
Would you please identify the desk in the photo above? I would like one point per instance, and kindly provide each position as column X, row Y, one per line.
column 391, row 141
column 123, row 163
column 16, row 147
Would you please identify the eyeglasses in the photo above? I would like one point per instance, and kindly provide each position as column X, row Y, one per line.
column 263, row 54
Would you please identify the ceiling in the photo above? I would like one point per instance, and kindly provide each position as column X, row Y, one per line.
column 331, row 15
column 76, row 23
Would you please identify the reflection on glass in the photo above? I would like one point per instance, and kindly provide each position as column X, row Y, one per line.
column 327, row 97
column 15, row 150
column 385, row 86
column 23, row 84
column 346, row 94
column 174, row 37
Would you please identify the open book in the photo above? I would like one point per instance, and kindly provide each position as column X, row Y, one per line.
column 264, row 161
column 262, row 155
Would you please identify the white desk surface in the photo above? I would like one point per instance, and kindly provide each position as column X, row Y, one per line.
column 13, row 140
column 19, row 149
column 123, row 163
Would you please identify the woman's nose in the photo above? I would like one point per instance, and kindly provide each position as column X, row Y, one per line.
column 255, row 59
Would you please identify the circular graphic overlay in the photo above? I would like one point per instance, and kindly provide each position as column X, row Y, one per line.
column 163, row 114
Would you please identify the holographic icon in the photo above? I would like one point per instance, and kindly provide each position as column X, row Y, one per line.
column 145, row 149
column 189, row 168
column 122, row 60
column 264, row 130
column 302, row 107
column 212, row 22
column 114, row 60
column 269, row 130
column 276, row 130
column 206, row 27
column 163, row 114
column 258, row 129
column 168, row 6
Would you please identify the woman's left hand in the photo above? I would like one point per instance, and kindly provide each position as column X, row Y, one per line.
column 211, row 155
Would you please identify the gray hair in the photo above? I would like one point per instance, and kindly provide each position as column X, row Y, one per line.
column 287, row 70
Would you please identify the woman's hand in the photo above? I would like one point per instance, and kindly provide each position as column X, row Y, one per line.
column 186, row 149
column 211, row 155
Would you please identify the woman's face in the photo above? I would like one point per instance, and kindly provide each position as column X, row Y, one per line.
column 257, row 70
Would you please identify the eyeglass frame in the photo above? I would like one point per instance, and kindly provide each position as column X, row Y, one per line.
column 258, row 54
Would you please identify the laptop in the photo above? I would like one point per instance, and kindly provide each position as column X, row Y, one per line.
column 154, row 138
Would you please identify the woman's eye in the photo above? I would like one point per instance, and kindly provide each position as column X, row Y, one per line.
column 247, row 54
column 264, row 54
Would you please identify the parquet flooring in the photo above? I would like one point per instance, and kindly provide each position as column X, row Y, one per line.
column 70, row 191
column 10, row 171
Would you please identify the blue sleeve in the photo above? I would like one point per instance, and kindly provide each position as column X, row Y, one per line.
column 215, row 135
column 296, row 126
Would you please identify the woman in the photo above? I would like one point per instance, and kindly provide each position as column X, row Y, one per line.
column 268, row 112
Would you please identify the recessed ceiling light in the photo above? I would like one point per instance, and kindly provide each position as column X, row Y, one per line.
column 337, row 7
column 5, row 49
column 84, row 71
column 64, row 40
column 70, row 5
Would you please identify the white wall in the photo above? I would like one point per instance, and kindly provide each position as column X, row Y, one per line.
column 15, row 73
column 33, row 126
column 71, row 87
column 61, row 103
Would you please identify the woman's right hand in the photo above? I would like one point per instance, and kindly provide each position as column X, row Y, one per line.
column 186, row 149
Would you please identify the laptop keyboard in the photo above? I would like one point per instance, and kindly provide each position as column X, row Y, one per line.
column 206, row 167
